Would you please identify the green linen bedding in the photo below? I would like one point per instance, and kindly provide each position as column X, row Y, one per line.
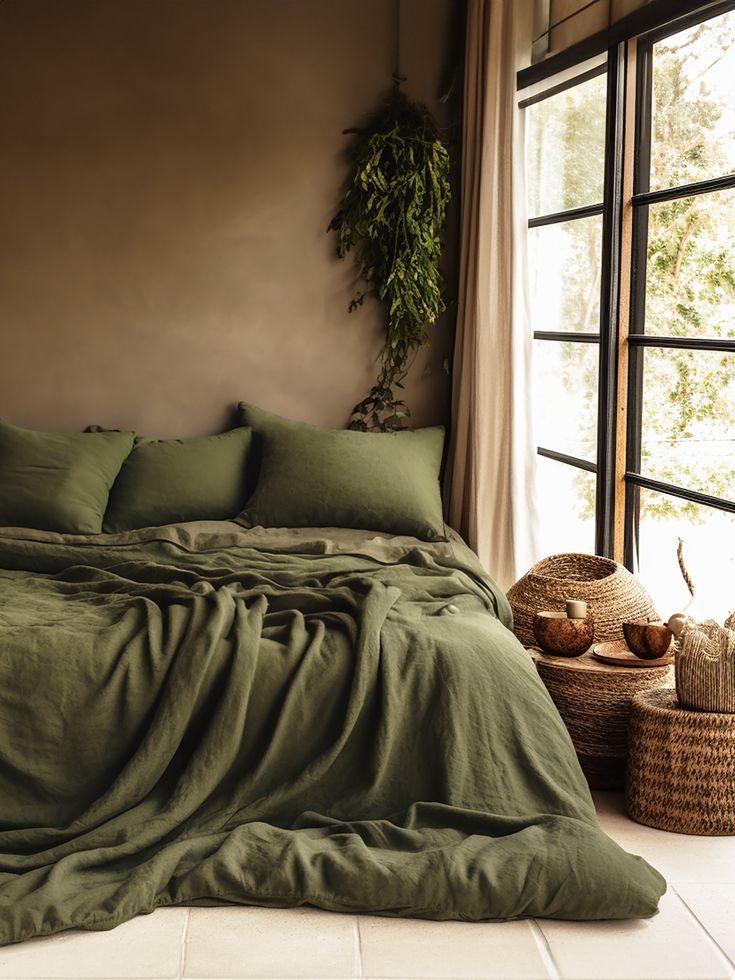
column 210, row 715
column 309, row 476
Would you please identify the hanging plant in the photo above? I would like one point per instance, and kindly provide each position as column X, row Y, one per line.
column 392, row 217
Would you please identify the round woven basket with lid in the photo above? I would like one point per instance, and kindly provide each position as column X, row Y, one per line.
column 612, row 594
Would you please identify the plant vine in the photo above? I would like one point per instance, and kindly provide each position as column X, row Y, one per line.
column 392, row 217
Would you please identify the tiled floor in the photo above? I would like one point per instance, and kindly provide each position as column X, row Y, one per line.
column 692, row 938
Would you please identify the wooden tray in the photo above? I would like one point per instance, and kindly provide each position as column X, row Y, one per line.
column 616, row 652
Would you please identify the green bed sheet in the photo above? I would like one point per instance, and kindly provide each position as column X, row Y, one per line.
column 206, row 719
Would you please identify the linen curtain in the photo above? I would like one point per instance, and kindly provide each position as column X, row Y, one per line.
column 488, row 484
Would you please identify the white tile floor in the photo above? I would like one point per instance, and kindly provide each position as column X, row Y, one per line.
column 692, row 938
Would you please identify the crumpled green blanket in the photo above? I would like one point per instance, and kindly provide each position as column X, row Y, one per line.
column 275, row 728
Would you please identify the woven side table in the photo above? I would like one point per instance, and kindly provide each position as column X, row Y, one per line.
column 681, row 767
column 594, row 701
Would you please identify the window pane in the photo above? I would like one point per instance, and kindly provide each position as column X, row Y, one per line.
column 564, row 263
column 565, row 397
column 693, row 118
column 566, row 508
column 709, row 554
column 565, row 148
column 688, row 421
column 690, row 275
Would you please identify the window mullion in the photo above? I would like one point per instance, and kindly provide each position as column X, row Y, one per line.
column 672, row 490
column 641, row 182
column 577, row 461
column 567, row 336
column 624, row 300
column 609, row 305
column 571, row 214
column 724, row 344
column 711, row 186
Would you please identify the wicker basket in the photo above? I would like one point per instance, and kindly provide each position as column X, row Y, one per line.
column 613, row 595
column 681, row 767
column 705, row 666
column 594, row 701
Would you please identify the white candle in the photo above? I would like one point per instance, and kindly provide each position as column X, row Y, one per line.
column 576, row 609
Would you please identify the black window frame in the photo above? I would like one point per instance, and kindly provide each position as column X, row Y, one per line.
column 600, row 337
column 612, row 275
column 638, row 339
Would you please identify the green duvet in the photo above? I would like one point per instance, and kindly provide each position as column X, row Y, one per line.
column 270, row 726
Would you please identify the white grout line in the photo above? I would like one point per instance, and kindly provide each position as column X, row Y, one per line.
column 358, row 946
column 544, row 949
column 719, row 951
column 183, row 943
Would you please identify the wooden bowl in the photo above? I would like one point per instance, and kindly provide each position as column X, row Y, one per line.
column 649, row 641
column 563, row 637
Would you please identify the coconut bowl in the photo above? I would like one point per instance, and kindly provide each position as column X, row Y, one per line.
column 649, row 641
column 563, row 637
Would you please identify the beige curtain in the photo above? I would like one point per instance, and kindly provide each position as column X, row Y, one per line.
column 488, row 480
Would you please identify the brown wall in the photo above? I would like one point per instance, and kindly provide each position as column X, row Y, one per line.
column 167, row 172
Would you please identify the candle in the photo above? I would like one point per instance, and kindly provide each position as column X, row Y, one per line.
column 576, row 609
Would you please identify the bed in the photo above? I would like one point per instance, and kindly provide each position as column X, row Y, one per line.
column 202, row 714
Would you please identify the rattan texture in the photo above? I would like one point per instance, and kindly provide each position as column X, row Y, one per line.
column 594, row 701
column 681, row 767
column 705, row 666
column 612, row 594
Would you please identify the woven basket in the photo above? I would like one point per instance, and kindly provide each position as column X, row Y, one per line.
column 613, row 595
column 594, row 701
column 705, row 666
column 681, row 767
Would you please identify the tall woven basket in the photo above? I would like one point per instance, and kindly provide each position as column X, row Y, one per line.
column 612, row 594
column 705, row 666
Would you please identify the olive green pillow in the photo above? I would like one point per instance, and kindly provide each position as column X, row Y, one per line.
column 168, row 481
column 312, row 477
column 56, row 481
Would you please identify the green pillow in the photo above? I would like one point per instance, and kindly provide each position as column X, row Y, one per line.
column 56, row 481
column 378, row 481
column 173, row 480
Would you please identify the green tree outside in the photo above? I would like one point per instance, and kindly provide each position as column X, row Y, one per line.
column 689, row 396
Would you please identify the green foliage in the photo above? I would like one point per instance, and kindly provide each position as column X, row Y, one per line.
column 380, row 411
column 688, row 396
column 392, row 216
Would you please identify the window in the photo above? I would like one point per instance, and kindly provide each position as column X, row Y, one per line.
column 631, row 193
column 681, row 396
column 565, row 154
